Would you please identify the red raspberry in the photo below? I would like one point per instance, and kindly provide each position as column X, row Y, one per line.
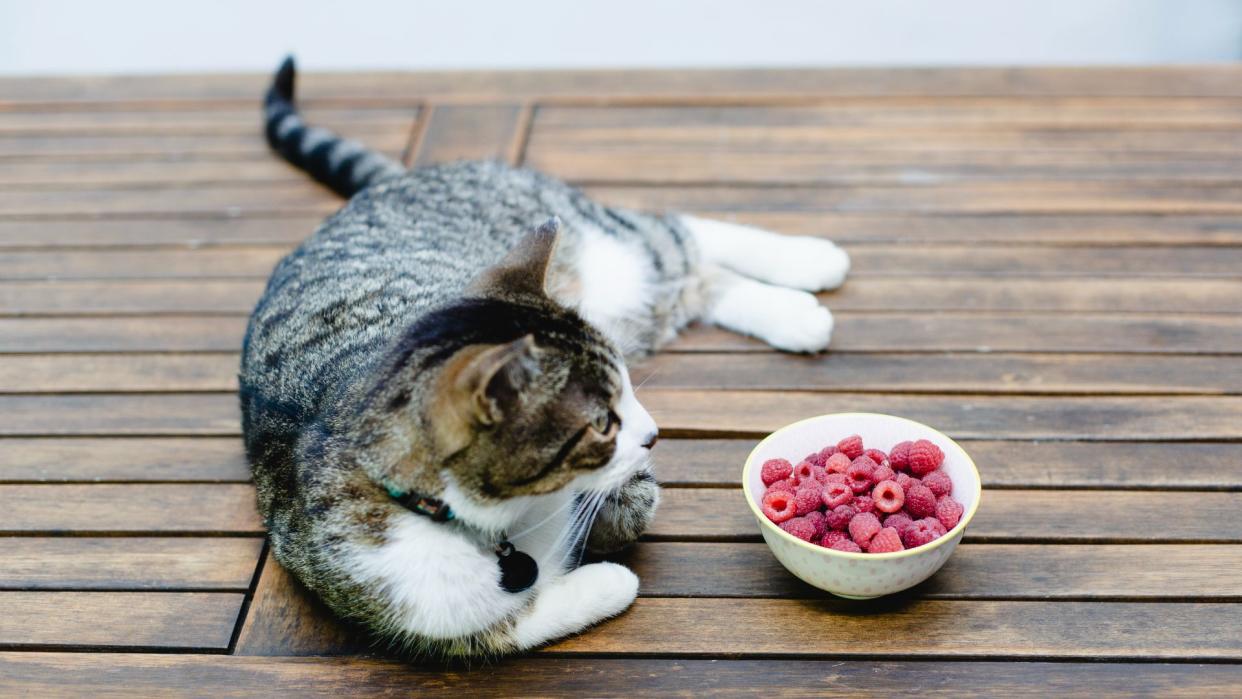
column 799, row 527
column 786, row 485
column 876, row 455
column 905, row 481
column 840, row 517
column 949, row 511
column 835, row 495
column 887, row 540
column 831, row 537
column 899, row 456
column 859, row 474
column 920, row 501
column 779, row 506
column 936, row 526
column 851, row 446
column 882, row 473
column 815, row 459
column 818, row 520
column 863, row 503
column 898, row 521
column 939, row 482
column 846, row 545
column 837, row 463
column 827, row 452
column 807, row 498
column 863, row 527
column 925, row 457
column 888, row 496
column 803, row 472
column 774, row 470
column 820, row 472
column 919, row 533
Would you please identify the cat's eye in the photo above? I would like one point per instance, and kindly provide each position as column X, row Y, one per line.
column 605, row 424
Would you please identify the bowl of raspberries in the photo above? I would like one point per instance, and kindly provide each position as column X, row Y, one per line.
column 861, row 504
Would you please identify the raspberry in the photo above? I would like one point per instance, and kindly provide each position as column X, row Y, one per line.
column 863, row 527
column 938, row 482
column 799, row 527
column 837, row 463
column 779, row 506
column 882, row 473
column 887, row 540
column 920, row 501
column 949, row 511
column 807, row 499
column 905, row 481
column 786, row 485
column 898, row 521
column 851, row 446
column 831, row 537
column 859, row 474
column 836, row 494
column 819, row 472
column 863, row 503
column 846, row 545
column 936, row 526
column 919, row 533
column 816, row 518
column 827, row 452
column 899, row 456
column 924, row 458
column 876, row 455
column 840, row 517
column 774, row 470
column 815, row 459
column 803, row 472
column 888, row 496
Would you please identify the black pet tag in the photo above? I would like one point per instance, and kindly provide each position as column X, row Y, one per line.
column 518, row 571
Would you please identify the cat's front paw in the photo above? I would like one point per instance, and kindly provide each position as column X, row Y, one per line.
column 608, row 588
column 812, row 264
column 800, row 325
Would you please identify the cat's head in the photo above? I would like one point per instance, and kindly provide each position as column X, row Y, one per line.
column 508, row 394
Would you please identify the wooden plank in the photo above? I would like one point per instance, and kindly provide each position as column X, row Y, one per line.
column 140, row 563
column 60, row 172
column 225, row 201
column 246, row 262
column 352, row 121
column 41, row 373
column 155, row 675
column 855, row 332
column 217, row 508
column 1035, row 516
column 120, row 415
column 898, row 628
column 165, row 146
column 1035, row 197
column 975, row 571
column 702, row 414
column 287, row 619
column 756, row 413
column 184, row 232
column 123, row 459
column 471, row 132
column 1195, row 295
column 1019, row 464
column 935, row 373
column 199, row 620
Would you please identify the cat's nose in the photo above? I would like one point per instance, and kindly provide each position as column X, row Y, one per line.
column 651, row 439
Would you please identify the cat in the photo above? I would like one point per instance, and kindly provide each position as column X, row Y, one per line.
column 434, row 392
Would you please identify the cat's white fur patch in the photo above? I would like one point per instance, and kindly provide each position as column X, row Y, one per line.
column 798, row 262
column 614, row 280
column 580, row 598
column 786, row 319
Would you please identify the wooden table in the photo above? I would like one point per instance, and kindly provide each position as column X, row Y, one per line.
column 1048, row 267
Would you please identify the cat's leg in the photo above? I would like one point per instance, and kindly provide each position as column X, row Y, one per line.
column 626, row 514
column 786, row 319
column 799, row 262
column 575, row 601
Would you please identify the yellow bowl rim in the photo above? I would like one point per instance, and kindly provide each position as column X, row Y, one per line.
column 925, row 548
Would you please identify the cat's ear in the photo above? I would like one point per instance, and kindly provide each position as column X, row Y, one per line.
column 481, row 384
column 525, row 269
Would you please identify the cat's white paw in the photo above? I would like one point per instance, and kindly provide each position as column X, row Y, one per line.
column 609, row 588
column 799, row 327
column 811, row 264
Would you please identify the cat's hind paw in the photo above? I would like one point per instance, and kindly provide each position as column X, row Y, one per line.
column 802, row 329
column 811, row 264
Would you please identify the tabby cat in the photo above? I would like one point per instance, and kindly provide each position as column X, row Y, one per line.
column 434, row 391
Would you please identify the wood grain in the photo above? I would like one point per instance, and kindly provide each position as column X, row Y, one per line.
column 120, row 415
column 198, row 620
column 129, row 508
column 1036, row 516
column 470, row 132
column 138, row 563
column 219, row 119
column 225, row 201
column 123, row 459
column 38, row 373
column 249, row 262
column 287, row 619
column 172, row 333
column 180, row 233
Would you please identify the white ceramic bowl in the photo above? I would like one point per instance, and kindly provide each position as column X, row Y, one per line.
column 859, row 575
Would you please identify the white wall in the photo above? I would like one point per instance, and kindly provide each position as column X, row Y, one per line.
column 125, row 36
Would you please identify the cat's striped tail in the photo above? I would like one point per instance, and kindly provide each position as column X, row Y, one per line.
column 344, row 165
